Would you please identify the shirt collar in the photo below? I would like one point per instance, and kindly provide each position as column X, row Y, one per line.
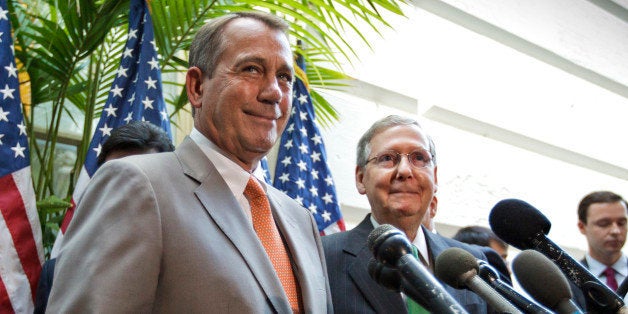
column 419, row 241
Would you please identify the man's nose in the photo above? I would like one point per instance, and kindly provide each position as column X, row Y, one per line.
column 270, row 92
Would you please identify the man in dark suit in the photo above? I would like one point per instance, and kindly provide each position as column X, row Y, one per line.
column 190, row 231
column 396, row 170
column 602, row 219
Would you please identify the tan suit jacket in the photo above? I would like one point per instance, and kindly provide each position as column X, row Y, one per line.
column 163, row 233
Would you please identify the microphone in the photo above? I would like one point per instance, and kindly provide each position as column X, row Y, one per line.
column 391, row 278
column 491, row 276
column 623, row 288
column 525, row 227
column 391, row 247
column 459, row 269
column 544, row 281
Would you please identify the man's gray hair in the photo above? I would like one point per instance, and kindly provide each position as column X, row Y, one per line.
column 364, row 147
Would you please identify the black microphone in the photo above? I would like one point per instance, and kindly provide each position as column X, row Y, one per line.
column 391, row 278
column 544, row 281
column 525, row 227
column 459, row 269
column 491, row 276
column 623, row 288
column 391, row 247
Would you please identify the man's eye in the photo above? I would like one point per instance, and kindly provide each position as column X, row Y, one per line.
column 251, row 69
column 285, row 77
column 386, row 158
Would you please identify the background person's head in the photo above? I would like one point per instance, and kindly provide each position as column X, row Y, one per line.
column 396, row 170
column 137, row 137
column 602, row 220
column 240, row 83
column 484, row 237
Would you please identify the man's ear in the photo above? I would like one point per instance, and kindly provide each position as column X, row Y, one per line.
column 359, row 178
column 582, row 227
column 433, row 206
column 193, row 86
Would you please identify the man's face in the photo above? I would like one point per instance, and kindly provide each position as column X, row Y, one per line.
column 244, row 106
column 400, row 195
column 605, row 229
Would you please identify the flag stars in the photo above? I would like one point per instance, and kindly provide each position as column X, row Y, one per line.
column 164, row 115
column 106, row 131
column 122, row 71
column 302, row 165
column 315, row 174
column 314, row 191
column 3, row 115
column 286, row 161
column 133, row 33
column 12, row 70
column 317, row 139
column 326, row 216
column 7, row 92
column 111, row 111
column 97, row 149
column 132, row 99
column 3, row 14
column 150, row 83
column 302, row 100
column 284, row 177
column 19, row 150
column 316, row 156
column 304, row 148
column 117, row 91
column 328, row 198
column 290, row 128
column 288, row 144
column 303, row 115
column 300, row 183
column 299, row 200
column 148, row 103
column 22, row 128
column 127, row 53
column 1, row 136
column 303, row 131
column 313, row 209
column 154, row 64
column 329, row 180
column 129, row 118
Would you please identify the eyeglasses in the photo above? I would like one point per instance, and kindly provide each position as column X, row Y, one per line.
column 390, row 159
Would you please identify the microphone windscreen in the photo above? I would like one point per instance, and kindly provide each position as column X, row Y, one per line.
column 453, row 266
column 541, row 278
column 516, row 222
column 376, row 233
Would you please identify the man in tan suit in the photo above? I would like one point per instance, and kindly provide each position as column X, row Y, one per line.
column 174, row 232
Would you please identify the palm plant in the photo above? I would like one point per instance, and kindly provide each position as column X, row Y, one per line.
column 71, row 50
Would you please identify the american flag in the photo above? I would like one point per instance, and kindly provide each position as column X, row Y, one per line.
column 21, row 251
column 302, row 170
column 135, row 94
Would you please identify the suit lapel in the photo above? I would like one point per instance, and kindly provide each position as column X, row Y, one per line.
column 224, row 210
column 382, row 299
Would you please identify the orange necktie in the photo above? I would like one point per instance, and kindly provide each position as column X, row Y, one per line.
column 264, row 225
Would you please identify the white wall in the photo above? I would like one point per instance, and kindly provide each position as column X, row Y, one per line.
column 524, row 100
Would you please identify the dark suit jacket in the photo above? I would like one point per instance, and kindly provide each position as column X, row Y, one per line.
column 579, row 297
column 354, row 291
column 43, row 286
column 163, row 233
